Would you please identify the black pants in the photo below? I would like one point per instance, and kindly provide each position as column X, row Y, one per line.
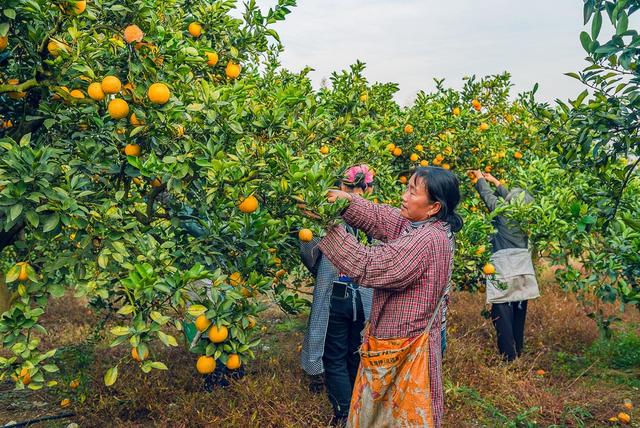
column 341, row 358
column 508, row 319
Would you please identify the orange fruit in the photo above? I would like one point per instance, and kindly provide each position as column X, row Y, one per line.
column 212, row 58
column 517, row 155
column 628, row 405
column 456, row 111
column 65, row 403
column 233, row 362
column 397, row 151
column 133, row 33
column 624, row 418
column 95, row 91
column 156, row 182
column 252, row 322
column 489, row 269
column 419, row 147
column 391, row 147
column 235, row 279
column 111, row 85
column 232, row 70
column 4, row 42
column 281, row 273
column 364, row 97
column 205, row 364
column 481, row 248
column 77, row 94
column 324, row 150
column 80, row 6
column 476, row 104
column 74, row 384
column 133, row 119
column 414, row 157
column 136, row 356
column 24, row 376
column 424, row 163
column 23, row 275
column 484, row 126
column 305, row 235
column 132, row 150
column 403, row 180
column 15, row 95
column 218, row 335
column 408, row 129
column 118, row 108
column 540, row 372
column 54, row 48
column 249, row 205
column 158, row 93
column 446, row 166
column 195, row 29
column 202, row 323
column 488, row 168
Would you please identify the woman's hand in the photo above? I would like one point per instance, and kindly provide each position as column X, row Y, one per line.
column 476, row 173
column 491, row 179
column 335, row 194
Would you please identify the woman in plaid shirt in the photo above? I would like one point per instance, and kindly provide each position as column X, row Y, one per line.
column 409, row 272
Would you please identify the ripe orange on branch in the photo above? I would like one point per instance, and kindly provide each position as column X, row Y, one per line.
column 218, row 334
column 202, row 323
column 232, row 70
column 489, row 269
column 111, row 85
column 212, row 58
column 95, row 91
column 249, row 205
column 158, row 93
column 205, row 364
column 195, row 29
column 136, row 356
column 132, row 150
column 4, row 42
column 133, row 33
column 408, row 129
column 118, row 108
column 233, row 362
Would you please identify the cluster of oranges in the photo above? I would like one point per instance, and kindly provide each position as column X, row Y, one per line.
column 207, row 364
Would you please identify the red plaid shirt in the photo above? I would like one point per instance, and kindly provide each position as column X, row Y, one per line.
column 408, row 272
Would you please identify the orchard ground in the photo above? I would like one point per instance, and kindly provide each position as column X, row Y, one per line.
column 585, row 380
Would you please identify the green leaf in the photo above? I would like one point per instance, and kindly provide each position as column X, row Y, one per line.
column 135, row 131
column 120, row 331
column 596, row 25
column 103, row 260
column 167, row 339
column 126, row 310
column 10, row 13
column 51, row 222
column 196, row 310
column 623, row 22
column 586, row 41
column 159, row 318
column 15, row 212
column 33, row 218
column 50, row 368
column 111, row 376
column 159, row 365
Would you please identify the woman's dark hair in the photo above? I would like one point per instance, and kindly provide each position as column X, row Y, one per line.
column 442, row 186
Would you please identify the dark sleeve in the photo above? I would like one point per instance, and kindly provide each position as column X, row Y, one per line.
column 486, row 194
column 310, row 255
column 502, row 191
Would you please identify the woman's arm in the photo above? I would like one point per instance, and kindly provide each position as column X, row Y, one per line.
column 486, row 194
column 379, row 221
column 391, row 266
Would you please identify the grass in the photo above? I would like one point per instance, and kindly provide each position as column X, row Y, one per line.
column 586, row 379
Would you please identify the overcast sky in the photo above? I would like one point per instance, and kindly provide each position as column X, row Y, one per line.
column 412, row 41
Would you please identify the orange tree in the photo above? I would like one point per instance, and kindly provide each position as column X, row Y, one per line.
column 154, row 155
